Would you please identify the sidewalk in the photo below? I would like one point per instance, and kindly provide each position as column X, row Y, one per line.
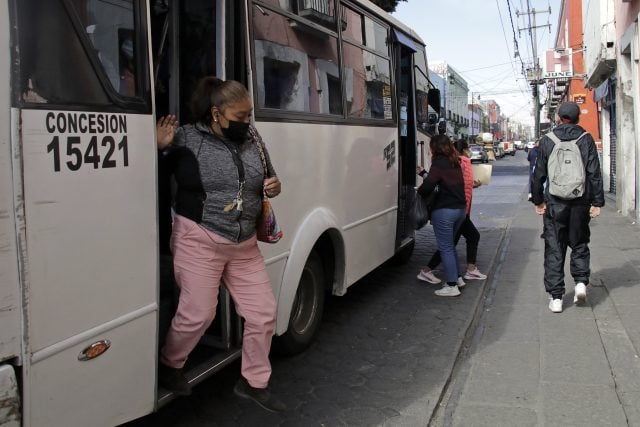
column 528, row 366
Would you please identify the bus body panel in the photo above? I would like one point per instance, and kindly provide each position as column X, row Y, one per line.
column 109, row 390
column 10, row 297
column 92, row 255
column 350, row 178
column 91, row 232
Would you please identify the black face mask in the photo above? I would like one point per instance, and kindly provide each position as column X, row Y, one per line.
column 236, row 132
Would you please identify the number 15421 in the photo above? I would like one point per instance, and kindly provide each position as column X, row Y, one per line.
column 106, row 154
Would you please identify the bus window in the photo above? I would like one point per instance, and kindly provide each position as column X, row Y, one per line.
column 319, row 11
column 57, row 45
column 282, row 4
column 352, row 25
column 422, row 102
column 376, row 36
column 111, row 32
column 368, row 82
column 53, row 65
column 297, row 67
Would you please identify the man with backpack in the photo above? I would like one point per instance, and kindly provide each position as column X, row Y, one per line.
column 567, row 191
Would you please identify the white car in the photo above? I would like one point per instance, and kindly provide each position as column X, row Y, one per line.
column 478, row 154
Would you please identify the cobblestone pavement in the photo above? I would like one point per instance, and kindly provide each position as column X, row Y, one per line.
column 385, row 350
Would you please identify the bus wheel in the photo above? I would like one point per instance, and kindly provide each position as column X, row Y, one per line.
column 306, row 312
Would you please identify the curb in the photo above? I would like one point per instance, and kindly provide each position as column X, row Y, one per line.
column 438, row 416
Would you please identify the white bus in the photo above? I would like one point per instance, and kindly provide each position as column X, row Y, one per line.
column 342, row 99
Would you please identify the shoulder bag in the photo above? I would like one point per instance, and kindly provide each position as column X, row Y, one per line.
column 267, row 228
column 422, row 207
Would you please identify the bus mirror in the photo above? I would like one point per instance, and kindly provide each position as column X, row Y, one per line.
column 433, row 97
column 432, row 118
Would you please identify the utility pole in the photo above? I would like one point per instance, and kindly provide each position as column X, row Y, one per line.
column 535, row 80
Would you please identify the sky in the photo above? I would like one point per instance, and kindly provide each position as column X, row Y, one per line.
column 476, row 38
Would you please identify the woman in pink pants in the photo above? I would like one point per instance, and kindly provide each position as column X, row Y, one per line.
column 220, row 184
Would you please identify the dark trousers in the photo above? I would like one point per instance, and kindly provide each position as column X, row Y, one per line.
column 565, row 225
column 471, row 236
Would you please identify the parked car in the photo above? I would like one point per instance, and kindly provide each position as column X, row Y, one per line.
column 497, row 148
column 478, row 154
column 509, row 148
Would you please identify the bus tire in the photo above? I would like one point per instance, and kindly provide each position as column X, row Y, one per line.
column 306, row 312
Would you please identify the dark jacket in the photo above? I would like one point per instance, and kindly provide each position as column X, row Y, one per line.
column 450, row 184
column 532, row 157
column 594, row 192
column 206, row 178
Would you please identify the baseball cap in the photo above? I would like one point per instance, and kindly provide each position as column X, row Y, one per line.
column 570, row 111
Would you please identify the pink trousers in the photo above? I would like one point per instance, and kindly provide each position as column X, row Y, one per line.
column 201, row 258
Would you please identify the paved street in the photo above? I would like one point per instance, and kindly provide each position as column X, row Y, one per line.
column 391, row 353
column 528, row 366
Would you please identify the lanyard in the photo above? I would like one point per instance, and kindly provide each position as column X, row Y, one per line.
column 237, row 203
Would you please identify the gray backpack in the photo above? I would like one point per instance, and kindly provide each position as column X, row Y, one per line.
column 565, row 168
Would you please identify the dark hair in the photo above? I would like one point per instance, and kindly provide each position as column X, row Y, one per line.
column 211, row 91
column 441, row 145
column 461, row 145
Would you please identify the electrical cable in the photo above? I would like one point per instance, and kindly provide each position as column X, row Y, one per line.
column 515, row 40
column 505, row 38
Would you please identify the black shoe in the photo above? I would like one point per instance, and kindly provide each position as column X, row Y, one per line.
column 262, row 396
column 173, row 380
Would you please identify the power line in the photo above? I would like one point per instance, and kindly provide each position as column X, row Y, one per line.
column 504, row 33
column 535, row 80
column 515, row 40
column 488, row 66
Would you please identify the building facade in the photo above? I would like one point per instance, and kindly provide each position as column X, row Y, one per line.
column 611, row 68
column 494, row 116
column 568, row 52
column 455, row 99
column 475, row 119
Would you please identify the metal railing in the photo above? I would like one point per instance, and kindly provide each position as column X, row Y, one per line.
column 322, row 7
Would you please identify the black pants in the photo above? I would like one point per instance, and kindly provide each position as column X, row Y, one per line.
column 565, row 225
column 471, row 236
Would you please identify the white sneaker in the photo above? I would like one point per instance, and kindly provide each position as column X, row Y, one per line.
column 461, row 283
column 555, row 305
column 580, row 293
column 448, row 291
column 474, row 275
column 429, row 277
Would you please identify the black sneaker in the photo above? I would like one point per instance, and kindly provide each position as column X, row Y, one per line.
column 262, row 396
column 173, row 380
